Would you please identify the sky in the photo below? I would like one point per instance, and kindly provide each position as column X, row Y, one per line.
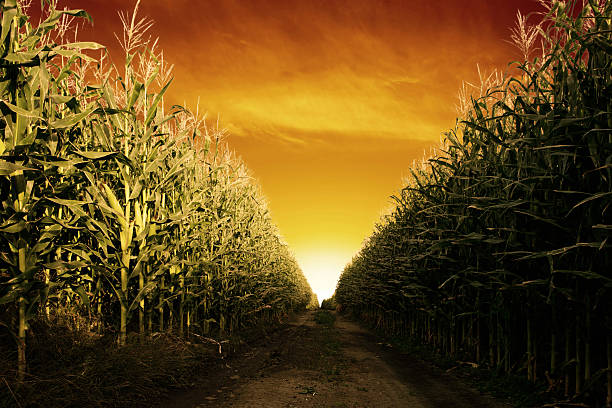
column 328, row 102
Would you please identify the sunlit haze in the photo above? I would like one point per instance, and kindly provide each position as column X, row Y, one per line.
column 328, row 102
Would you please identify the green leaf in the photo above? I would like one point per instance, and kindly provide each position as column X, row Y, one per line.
column 95, row 155
column 80, row 290
column 65, row 265
column 71, row 120
column 22, row 57
column 84, row 45
column 153, row 108
column 591, row 198
column 21, row 111
column 73, row 205
column 9, row 11
column 134, row 94
column 8, row 168
column 12, row 227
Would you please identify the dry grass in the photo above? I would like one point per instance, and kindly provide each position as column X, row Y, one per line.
column 77, row 368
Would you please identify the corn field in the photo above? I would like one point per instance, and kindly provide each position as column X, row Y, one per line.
column 497, row 251
column 117, row 207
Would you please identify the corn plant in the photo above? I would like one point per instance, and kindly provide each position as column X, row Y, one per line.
column 111, row 202
column 498, row 248
column 42, row 121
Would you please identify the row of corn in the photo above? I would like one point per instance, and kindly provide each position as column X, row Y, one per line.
column 499, row 249
column 117, row 207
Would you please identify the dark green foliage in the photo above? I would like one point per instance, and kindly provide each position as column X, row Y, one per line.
column 499, row 250
column 329, row 304
column 324, row 317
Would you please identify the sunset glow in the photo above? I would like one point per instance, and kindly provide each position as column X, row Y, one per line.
column 328, row 102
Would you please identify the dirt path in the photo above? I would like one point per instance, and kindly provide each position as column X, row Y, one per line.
column 308, row 364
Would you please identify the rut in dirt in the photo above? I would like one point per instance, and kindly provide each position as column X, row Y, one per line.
column 323, row 359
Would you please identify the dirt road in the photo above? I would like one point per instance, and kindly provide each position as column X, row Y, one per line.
column 308, row 364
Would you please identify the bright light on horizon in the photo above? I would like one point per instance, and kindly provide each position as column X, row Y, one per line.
column 322, row 268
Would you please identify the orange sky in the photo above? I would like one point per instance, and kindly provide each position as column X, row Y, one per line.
column 328, row 102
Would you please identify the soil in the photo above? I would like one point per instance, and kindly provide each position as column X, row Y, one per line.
column 307, row 364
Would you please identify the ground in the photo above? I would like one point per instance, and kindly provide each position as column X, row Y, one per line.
column 327, row 364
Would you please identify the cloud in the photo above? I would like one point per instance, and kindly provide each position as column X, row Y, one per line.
column 293, row 70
